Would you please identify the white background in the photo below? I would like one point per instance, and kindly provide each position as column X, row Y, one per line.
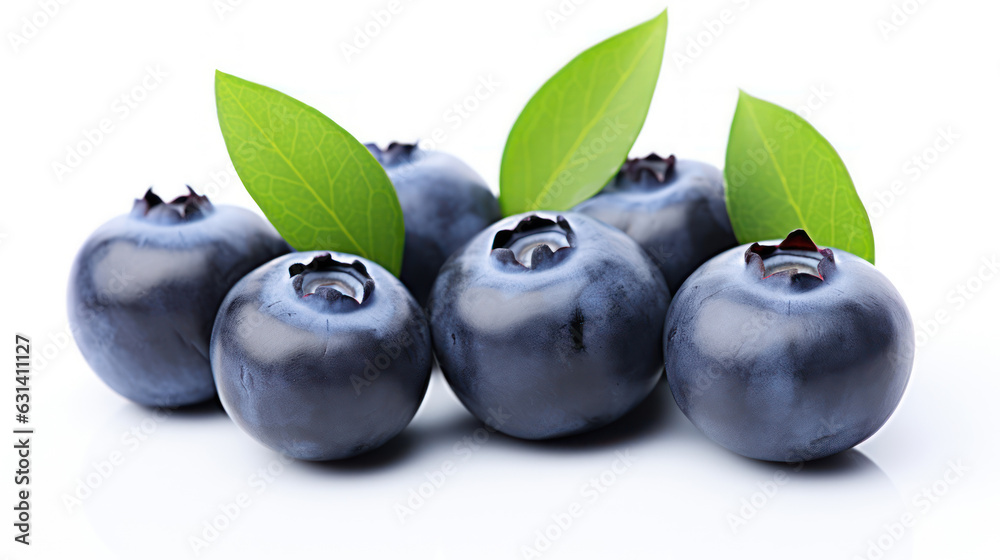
column 881, row 100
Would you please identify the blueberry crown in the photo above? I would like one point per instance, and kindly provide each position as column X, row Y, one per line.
column 186, row 208
column 535, row 243
column 657, row 167
column 394, row 154
column 796, row 260
column 332, row 282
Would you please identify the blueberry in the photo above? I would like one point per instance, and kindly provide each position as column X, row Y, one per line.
column 321, row 355
column 675, row 209
column 444, row 204
column 548, row 325
column 788, row 352
column 145, row 287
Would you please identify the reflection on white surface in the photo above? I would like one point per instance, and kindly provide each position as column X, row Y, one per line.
column 448, row 485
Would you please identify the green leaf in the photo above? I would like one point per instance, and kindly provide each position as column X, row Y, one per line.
column 574, row 134
column 319, row 186
column 781, row 175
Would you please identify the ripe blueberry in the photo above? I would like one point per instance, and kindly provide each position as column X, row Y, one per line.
column 145, row 287
column 444, row 204
column 675, row 209
column 321, row 355
column 548, row 325
column 788, row 352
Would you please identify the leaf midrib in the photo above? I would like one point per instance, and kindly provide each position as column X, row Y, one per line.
column 305, row 183
column 774, row 163
column 590, row 125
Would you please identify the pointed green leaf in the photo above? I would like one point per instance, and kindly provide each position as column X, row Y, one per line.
column 320, row 187
column 574, row 134
column 781, row 175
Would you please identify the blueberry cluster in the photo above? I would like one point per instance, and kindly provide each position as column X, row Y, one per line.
column 559, row 322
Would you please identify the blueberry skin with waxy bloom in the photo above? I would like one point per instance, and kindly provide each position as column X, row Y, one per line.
column 444, row 202
column 788, row 352
column 321, row 355
column 674, row 208
column 549, row 324
column 145, row 287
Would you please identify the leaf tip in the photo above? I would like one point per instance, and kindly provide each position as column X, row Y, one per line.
column 746, row 97
column 659, row 22
column 222, row 79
